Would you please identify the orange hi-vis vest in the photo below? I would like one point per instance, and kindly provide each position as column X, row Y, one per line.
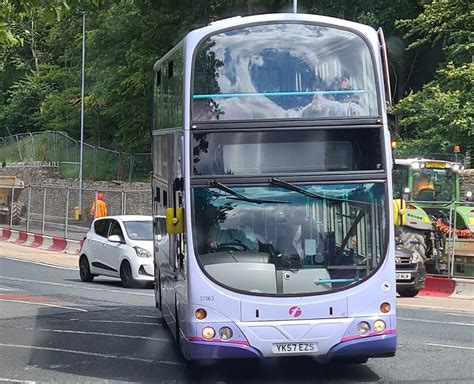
column 101, row 209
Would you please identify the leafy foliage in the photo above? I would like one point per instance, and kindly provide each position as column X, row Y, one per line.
column 40, row 62
column 441, row 114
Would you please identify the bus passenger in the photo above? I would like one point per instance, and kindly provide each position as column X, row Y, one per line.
column 242, row 237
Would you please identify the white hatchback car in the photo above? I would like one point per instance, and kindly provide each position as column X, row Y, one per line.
column 119, row 246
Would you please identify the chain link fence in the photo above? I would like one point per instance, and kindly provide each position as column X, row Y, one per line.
column 56, row 211
column 54, row 146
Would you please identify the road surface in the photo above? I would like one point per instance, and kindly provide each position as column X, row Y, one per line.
column 54, row 328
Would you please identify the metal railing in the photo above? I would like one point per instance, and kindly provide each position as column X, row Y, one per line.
column 460, row 246
column 54, row 211
column 55, row 146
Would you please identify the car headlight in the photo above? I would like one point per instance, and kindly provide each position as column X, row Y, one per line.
column 142, row 252
column 397, row 260
column 415, row 258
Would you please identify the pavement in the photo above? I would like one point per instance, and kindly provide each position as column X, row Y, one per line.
column 20, row 252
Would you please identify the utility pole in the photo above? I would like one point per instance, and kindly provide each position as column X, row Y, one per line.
column 81, row 156
column 295, row 6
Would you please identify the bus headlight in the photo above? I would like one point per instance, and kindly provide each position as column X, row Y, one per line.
column 379, row 326
column 363, row 328
column 415, row 165
column 225, row 333
column 208, row 333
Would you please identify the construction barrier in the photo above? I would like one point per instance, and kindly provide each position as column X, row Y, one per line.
column 47, row 243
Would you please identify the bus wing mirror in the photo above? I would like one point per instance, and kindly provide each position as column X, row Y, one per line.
column 175, row 220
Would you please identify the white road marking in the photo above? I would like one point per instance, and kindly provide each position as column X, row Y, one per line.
column 460, row 314
column 98, row 334
column 435, row 321
column 145, row 316
column 8, row 289
column 105, row 355
column 449, row 346
column 117, row 322
column 75, row 286
column 2, row 380
column 44, row 305
column 42, row 263
column 444, row 309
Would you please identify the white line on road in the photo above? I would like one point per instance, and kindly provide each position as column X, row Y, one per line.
column 97, row 334
column 75, row 286
column 449, row 346
column 42, row 263
column 117, row 322
column 460, row 314
column 444, row 309
column 107, row 356
column 145, row 316
column 435, row 321
column 44, row 304
column 4, row 380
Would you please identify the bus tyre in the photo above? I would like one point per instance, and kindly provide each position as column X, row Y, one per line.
column 408, row 292
column 16, row 212
column 84, row 270
column 126, row 275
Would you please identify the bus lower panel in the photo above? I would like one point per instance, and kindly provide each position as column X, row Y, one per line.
column 374, row 346
column 198, row 350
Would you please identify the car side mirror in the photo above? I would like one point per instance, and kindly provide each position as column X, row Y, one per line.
column 114, row 239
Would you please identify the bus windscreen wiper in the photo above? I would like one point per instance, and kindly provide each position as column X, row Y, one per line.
column 238, row 196
column 293, row 187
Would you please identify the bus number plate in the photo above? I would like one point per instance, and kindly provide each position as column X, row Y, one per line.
column 283, row 348
column 403, row 276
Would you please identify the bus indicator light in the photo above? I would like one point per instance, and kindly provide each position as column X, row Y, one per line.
column 200, row 314
column 385, row 307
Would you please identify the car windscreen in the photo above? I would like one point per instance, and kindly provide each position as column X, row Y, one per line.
column 139, row 230
column 279, row 152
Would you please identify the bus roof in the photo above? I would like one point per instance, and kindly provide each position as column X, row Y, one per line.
column 195, row 36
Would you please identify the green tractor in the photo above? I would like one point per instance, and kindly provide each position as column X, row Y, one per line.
column 429, row 214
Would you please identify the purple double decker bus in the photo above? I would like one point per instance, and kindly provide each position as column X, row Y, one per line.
column 272, row 191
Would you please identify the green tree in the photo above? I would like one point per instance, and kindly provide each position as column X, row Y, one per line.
column 441, row 114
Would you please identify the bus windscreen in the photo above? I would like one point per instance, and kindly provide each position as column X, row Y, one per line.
column 283, row 71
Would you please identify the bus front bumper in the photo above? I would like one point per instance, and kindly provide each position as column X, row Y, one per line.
column 373, row 346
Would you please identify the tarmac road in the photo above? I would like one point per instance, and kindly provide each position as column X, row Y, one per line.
column 54, row 328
